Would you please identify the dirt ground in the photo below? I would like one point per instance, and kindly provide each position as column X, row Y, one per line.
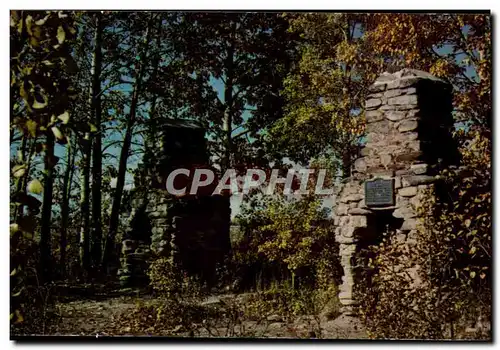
column 106, row 318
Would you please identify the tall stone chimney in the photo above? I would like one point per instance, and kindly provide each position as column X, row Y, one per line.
column 408, row 140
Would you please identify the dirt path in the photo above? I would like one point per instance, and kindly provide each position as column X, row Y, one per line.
column 90, row 317
column 105, row 318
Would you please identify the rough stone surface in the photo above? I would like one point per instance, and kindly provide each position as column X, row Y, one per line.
column 395, row 115
column 396, row 148
column 375, row 102
column 418, row 180
column 358, row 211
column 419, row 169
column 360, row 165
column 162, row 225
column 407, row 191
column 408, row 125
column 403, row 100
column 374, row 116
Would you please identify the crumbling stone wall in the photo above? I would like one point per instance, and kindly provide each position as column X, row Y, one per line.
column 408, row 140
column 193, row 230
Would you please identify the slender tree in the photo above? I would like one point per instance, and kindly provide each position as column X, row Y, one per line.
column 140, row 68
column 95, row 110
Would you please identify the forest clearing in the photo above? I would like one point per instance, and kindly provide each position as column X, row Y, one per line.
column 251, row 174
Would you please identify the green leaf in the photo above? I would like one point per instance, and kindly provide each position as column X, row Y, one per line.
column 472, row 250
column 29, row 22
column 42, row 21
column 32, row 126
column 14, row 228
column 35, row 186
column 472, row 274
column 61, row 35
column 57, row 133
column 64, row 117
column 23, row 91
column 93, row 128
column 20, row 318
column 40, row 105
column 18, row 170
column 13, row 272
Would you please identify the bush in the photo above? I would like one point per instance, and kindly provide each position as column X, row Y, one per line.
column 440, row 287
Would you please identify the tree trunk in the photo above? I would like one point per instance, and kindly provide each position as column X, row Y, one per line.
column 228, row 113
column 122, row 167
column 65, row 209
column 45, row 236
column 95, row 110
column 84, row 204
column 26, row 175
column 19, row 180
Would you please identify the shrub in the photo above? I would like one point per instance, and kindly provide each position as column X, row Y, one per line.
column 441, row 286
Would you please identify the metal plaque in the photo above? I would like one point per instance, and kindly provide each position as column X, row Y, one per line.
column 379, row 192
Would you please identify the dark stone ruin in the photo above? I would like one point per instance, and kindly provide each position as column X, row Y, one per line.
column 192, row 230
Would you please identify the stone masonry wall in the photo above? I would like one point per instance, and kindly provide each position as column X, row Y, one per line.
column 193, row 231
column 408, row 140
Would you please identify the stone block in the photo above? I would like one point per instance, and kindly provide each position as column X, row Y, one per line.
column 373, row 103
column 397, row 182
column 385, row 159
column 409, row 156
column 360, row 165
column 409, row 224
column 374, row 116
column 414, row 146
column 410, row 136
column 358, row 221
column 341, row 209
column 375, row 95
column 400, row 238
column 348, row 302
column 395, row 116
column 338, row 231
column 416, row 180
column 377, row 87
column 348, row 279
column 404, row 212
column 347, row 231
column 419, row 169
column 344, row 221
column 381, row 172
column 393, row 93
column 408, row 125
column 345, row 295
column 381, row 127
column 353, row 198
column 403, row 100
column 408, row 81
column 344, row 240
column 407, row 191
column 358, row 211
column 365, row 152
